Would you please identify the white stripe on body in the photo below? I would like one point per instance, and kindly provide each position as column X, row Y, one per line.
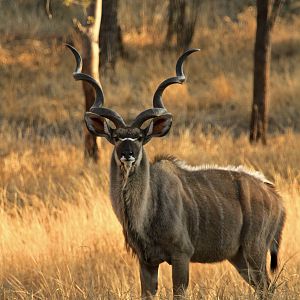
column 240, row 168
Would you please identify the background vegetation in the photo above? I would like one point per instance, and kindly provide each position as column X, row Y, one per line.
column 59, row 238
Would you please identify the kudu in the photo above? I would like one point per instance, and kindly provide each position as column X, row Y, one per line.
column 174, row 213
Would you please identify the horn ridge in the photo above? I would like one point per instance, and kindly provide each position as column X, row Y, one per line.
column 108, row 114
column 179, row 78
column 179, row 64
column 99, row 100
column 157, row 98
column 78, row 58
column 148, row 114
column 158, row 105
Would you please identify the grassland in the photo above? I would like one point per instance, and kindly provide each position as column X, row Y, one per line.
column 59, row 238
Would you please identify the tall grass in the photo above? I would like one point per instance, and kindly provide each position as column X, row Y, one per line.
column 59, row 238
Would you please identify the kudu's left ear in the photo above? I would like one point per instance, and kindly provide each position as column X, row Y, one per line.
column 158, row 127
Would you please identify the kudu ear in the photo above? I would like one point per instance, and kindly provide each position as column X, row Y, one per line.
column 98, row 126
column 158, row 127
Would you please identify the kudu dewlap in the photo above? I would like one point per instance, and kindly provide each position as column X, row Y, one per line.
column 175, row 213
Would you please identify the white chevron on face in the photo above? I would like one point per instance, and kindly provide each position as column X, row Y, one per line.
column 128, row 139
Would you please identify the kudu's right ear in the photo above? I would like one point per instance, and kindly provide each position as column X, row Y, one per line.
column 98, row 126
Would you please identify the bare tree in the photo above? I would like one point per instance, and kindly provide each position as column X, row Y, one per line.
column 267, row 11
column 111, row 46
column 48, row 8
column 182, row 19
column 89, row 30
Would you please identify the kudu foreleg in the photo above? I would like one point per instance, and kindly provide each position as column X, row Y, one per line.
column 149, row 279
column 180, row 275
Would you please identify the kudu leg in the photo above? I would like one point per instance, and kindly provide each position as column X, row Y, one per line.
column 260, row 274
column 180, row 276
column 253, row 270
column 148, row 277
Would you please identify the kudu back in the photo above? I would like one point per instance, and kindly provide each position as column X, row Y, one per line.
column 174, row 213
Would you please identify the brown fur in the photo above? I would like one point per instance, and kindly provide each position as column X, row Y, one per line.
column 206, row 215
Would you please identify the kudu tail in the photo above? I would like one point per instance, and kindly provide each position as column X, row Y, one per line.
column 276, row 243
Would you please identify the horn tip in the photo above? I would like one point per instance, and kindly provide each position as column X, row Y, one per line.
column 193, row 50
column 73, row 49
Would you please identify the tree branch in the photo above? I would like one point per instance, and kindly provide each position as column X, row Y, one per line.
column 48, row 9
column 79, row 27
column 276, row 7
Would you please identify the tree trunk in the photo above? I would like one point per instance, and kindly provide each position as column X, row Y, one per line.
column 266, row 15
column 48, row 8
column 111, row 46
column 182, row 19
column 181, row 25
column 262, row 51
column 90, row 57
column 171, row 22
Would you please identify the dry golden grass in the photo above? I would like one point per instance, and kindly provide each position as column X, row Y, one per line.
column 59, row 238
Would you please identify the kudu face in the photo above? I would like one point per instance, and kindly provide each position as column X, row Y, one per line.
column 129, row 139
column 128, row 145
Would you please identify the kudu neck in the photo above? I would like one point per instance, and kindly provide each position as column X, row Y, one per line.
column 139, row 170
column 131, row 194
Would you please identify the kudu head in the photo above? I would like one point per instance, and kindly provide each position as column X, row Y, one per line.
column 129, row 139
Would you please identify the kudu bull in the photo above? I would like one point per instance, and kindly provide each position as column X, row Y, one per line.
column 174, row 213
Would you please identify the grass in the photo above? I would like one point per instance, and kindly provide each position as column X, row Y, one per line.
column 59, row 238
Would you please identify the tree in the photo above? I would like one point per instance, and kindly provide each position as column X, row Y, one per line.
column 182, row 19
column 111, row 46
column 89, row 30
column 46, row 5
column 267, row 11
column 48, row 8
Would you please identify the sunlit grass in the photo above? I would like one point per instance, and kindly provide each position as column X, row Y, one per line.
column 59, row 238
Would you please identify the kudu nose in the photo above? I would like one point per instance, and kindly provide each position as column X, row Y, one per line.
column 127, row 156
